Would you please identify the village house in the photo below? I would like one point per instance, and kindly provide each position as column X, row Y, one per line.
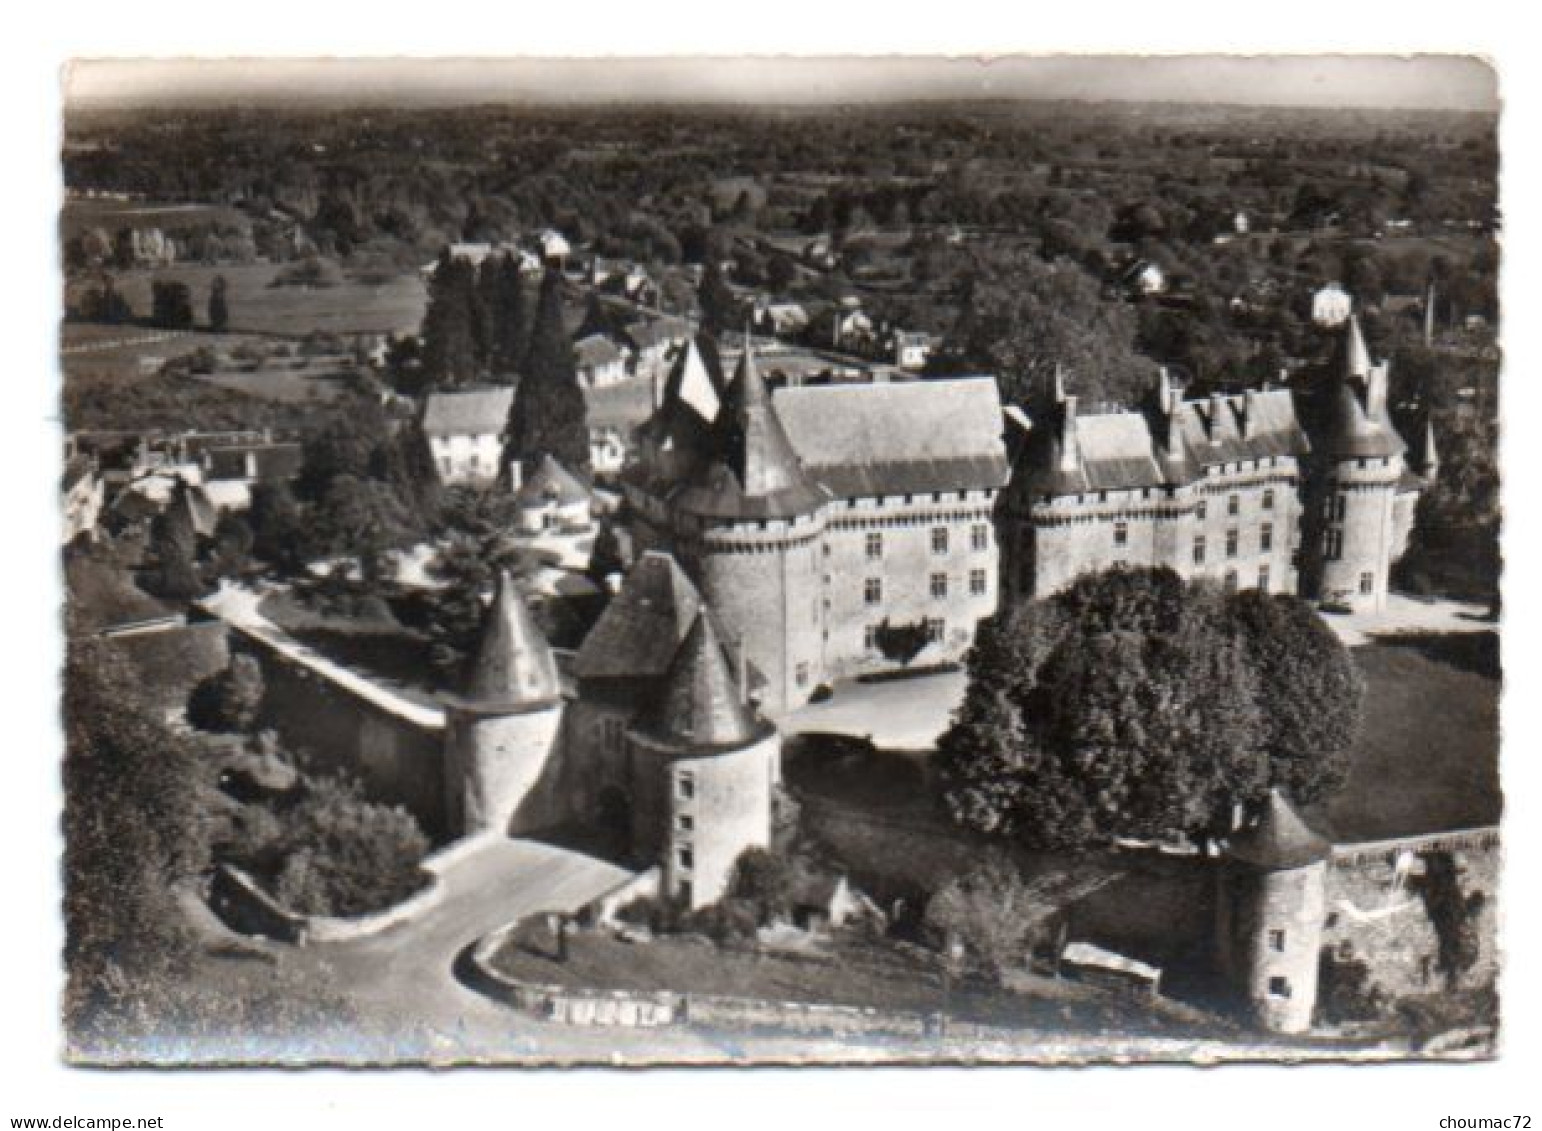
column 600, row 362
column 607, row 449
column 84, row 492
column 465, row 432
column 653, row 340
column 552, row 498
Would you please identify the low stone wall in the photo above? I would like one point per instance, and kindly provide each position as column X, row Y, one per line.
column 244, row 906
column 644, row 885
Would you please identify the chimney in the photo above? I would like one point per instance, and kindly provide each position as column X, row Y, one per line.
column 251, row 464
column 1217, row 407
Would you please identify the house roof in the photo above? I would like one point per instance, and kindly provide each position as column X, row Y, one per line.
column 479, row 412
column 642, row 627
column 551, row 482
column 275, row 462
column 1279, row 839
column 657, row 331
column 596, row 349
column 513, row 668
column 700, row 705
column 875, row 439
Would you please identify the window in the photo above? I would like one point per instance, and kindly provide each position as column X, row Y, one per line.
column 1121, row 533
column 1269, row 499
column 1333, row 544
column 939, row 585
column 685, row 857
column 1336, row 505
column 980, row 536
column 1367, row 584
column 1263, row 578
column 1233, row 504
column 685, row 822
column 1277, row 941
column 685, row 785
column 939, row 539
column 1199, row 550
column 801, row 675
column 1201, row 510
column 936, row 629
column 1231, row 581
column 875, row 545
column 872, row 590
column 449, row 465
column 1279, row 987
column 870, row 637
column 1231, row 543
column 1266, row 537
column 977, row 582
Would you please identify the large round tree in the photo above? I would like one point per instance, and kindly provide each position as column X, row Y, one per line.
column 1134, row 704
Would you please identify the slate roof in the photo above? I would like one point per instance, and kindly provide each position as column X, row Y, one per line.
column 642, row 627
column 1352, row 410
column 700, row 706
column 513, row 668
column 480, row 412
column 1278, row 840
column 885, row 438
column 551, row 482
column 275, row 462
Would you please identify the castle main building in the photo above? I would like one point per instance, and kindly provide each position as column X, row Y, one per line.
column 1286, row 492
column 812, row 517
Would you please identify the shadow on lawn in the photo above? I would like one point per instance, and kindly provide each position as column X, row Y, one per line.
column 1475, row 652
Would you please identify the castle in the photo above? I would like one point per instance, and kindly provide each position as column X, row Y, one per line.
column 814, row 516
column 1287, row 492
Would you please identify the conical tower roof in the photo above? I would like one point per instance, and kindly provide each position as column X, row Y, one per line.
column 513, row 668
column 700, row 705
column 1279, row 839
column 1354, row 423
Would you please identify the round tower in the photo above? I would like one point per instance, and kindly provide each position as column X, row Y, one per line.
column 1350, row 529
column 501, row 731
column 750, row 522
column 704, row 766
column 1270, row 904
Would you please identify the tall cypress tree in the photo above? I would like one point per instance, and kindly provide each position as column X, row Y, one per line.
column 510, row 319
column 549, row 416
column 450, row 324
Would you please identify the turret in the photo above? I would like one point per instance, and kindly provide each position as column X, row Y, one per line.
column 501, row 729
column 704, row 765
column 1270, row 905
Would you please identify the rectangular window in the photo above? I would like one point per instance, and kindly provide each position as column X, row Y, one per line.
column 1367, row 584
column 1263, row 578
column 1201, row 510
column 685, row 822
column 1277, row 941
column 801, row 675
column 1269, row 499
column 1234, row 504
column 870, row 637
column 1279, row 987
column 685, row 856
column 1231, row 581
column 1337, row 505
column 875, row 545
column 939, row 585
column 977, row 582
column 980, row 536
column 936, row 629
column 1333, row 544
column 872, row 590
column 1266, row 537
column 1199, row 550
column 939, row 539
column 1121, row 533
column 685, row 785
column 1231, row 543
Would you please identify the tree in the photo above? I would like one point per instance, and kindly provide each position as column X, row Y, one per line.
column 229, row 700
column 174, row 548
column 719, row 307
column 901, row 643
column 763, row 880
column 1309, row 692
column 452, row 325
column 990, row 911
column 510, row 317
column 171, row 304
column 281, row 531
column 219, row 310
column 1133, row 704
column 549, row 416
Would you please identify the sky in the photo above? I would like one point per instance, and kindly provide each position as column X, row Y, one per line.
column 1441, row 82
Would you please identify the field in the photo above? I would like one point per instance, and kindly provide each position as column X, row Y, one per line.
column 350, row 307
column 77, row 216
column 1428, row 754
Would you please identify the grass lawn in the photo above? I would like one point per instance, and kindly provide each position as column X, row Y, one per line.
column 1428, row 754
column 854, row 973
column 349, row 308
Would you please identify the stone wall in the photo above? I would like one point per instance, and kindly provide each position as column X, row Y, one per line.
column 1376, row 913
column 170, row 662
column 243, row 905
column 397, row 760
